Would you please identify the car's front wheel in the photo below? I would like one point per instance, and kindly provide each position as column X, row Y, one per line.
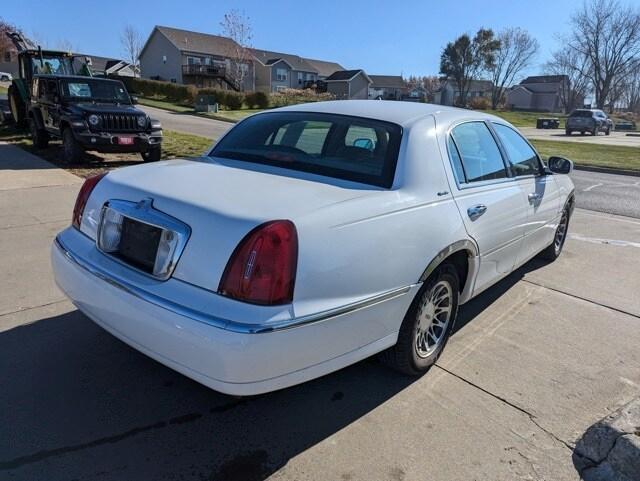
column 152, row 155
column 72, row 150
column 552, row 252
column 427, row 325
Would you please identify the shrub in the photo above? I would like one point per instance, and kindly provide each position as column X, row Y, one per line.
column 480, row 103
column 154, row 88
column 258, row 100
column 297, row 96
column 233, row 100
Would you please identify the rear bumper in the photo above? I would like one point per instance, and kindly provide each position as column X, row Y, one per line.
column 176, row 324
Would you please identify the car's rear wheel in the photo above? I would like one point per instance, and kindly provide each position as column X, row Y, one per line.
column 427, row 325
column 608, row 131
column 554, row 250
column 39, row 137
column 568, row 132
column 152, row 155
column 72, row 150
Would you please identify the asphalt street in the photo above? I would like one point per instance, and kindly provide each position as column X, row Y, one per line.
column 533, row 363
column 610, row 193
column 187, row 123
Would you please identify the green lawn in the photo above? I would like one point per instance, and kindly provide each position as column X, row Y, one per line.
column 163, row 104
column 232, row 115
column 611, row 156
column 176, row 144
column 524, row 119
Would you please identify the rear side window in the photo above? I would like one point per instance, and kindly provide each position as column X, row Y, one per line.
column 524, row 160
column 478, row 152
column 339, row 146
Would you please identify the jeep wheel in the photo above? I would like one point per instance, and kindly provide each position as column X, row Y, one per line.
column 39, row 137
column 72, row 151
column 152, row 155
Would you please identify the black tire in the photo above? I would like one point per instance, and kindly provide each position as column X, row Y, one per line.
column 594, row 132
column 17, row 107
column 582, row 132
column 553, row 251
column 567, row 132
column 154, row 154
column 608, row 131
column 39, row 137
column 72, row 151
column 404, row 356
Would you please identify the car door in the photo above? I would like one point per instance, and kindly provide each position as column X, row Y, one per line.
column 489, row 201
column 539, row 191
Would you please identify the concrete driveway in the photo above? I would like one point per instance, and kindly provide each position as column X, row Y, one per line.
column 533, row 363
column 615, row 138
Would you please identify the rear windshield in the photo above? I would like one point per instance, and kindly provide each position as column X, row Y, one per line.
column 581, row 113
column 340, row 146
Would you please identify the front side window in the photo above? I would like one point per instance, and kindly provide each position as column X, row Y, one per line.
column 524, row 160
column 479, row 154
column 339, row 146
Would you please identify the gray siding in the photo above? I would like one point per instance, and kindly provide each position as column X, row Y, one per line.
column 152, row 63
column 359, row 87
column 339, row 89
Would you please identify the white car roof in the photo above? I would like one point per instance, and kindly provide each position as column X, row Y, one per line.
column 398, row 112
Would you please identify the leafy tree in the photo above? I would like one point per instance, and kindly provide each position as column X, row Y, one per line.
column 465, row 59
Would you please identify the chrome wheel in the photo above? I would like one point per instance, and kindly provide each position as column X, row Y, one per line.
column 434, row 315
column 561, row 233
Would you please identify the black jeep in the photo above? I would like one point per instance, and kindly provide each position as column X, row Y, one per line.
column 88, row 113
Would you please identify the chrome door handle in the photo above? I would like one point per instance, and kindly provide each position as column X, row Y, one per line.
column 476, row 211
column 533, row 197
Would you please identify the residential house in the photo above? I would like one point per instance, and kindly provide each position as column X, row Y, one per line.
column 542, row 93
column 387, row 87
column 349, row 84
column 449, row 92
column 9, row 60
column 105, row 67
column 199, row 59
column 324, row 68
column 277, row 71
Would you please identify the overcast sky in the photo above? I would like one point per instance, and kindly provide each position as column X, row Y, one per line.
column 397, row 37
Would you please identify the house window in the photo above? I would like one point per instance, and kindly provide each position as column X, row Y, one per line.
column 194, row 60
column 281, row 74
column 280, row 88
column 300, row 77
column 164, row 59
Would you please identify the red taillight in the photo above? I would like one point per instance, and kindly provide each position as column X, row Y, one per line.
column 83, row 196
column 262, row 269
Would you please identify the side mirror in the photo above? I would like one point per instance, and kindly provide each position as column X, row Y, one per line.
column 560, row 165
column 134, row 100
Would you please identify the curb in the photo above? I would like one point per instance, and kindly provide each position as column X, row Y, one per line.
column 610, row 449
column 608, row 170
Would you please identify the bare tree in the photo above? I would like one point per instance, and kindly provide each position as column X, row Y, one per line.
column 608, row 34
column 65, row 45
column 132, row 44
column 517, row 50
column 575, row 67
column 631, row 95
column 465, row 58
column 237, row 26
column 6, row 45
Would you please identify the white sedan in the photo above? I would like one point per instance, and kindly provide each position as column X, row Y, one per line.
column 311, row 237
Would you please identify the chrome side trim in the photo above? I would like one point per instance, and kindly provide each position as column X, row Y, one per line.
column 219, row 322
column 464, row 244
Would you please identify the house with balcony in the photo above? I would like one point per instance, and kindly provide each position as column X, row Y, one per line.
column 194, row 58
column 277, row 71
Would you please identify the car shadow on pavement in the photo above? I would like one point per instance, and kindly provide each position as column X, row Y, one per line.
column 76, row 403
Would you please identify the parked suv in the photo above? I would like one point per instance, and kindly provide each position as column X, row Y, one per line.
column 90, row 114
column 588, row 120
